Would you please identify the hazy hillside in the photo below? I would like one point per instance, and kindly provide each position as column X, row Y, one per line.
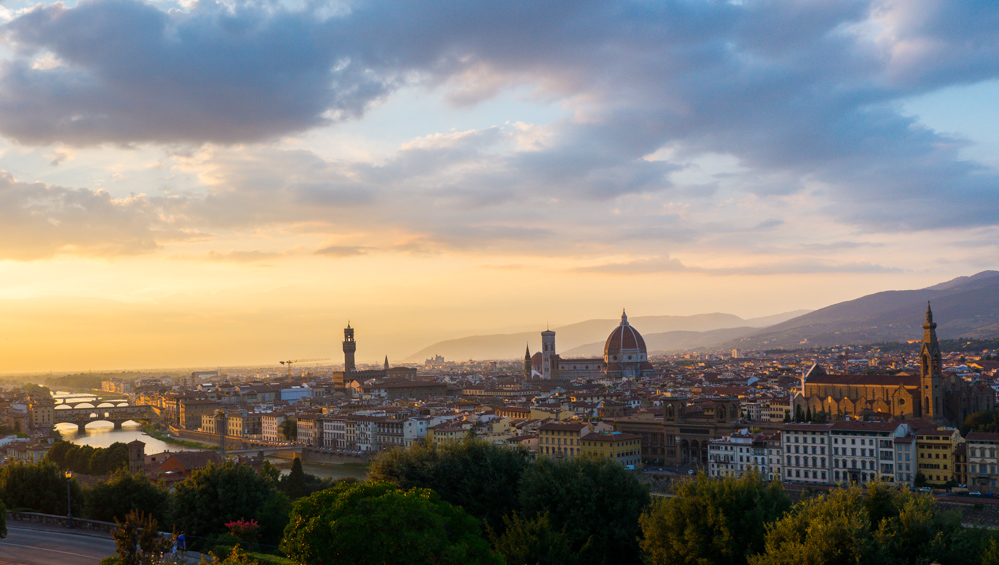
column 587, row 333
column 963, row 307
column 667, row 342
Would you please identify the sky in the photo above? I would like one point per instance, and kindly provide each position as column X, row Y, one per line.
column 207, row 183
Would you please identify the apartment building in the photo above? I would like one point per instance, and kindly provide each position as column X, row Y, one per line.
column 935, row 448
column 625, row 449
column 807, row 453
column 737, row 454
column 863, row 452
column 561, row 439
column 982, row 453
column 270, row 426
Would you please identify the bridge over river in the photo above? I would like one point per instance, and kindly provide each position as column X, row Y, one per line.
column 83, row 413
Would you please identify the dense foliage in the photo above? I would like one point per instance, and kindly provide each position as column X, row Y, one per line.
column 987, row 421
column 534, row 541
column 879, row 525
column 298, row 483
column 712, row 521
column 595, row 500
column 89, row 460
column 289, row 429
column 138, row 540
column 3, row 520
column 123, row 492
column 37, row 487
column 376, row 523
column 480, row 477
column 217, row 494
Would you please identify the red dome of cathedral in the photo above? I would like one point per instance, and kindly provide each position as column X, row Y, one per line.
column 625, row 344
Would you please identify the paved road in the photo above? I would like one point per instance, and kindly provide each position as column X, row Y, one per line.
column 37, row 545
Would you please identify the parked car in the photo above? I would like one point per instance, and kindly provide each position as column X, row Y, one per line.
column 974, row 493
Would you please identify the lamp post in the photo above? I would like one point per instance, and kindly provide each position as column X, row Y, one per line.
column 69, row 499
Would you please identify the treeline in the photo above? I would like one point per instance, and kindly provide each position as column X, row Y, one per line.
column 89, row 460
column 201, row 505
column 473, row 502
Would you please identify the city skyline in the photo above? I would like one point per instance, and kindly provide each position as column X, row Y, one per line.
column 194, row 183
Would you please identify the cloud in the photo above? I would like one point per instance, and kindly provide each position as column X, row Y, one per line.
column 243, row 256
column 134, row 72
column 658, row 265
column 805, row 96
column 342, row 251
column 653, row 265
column 38, row 221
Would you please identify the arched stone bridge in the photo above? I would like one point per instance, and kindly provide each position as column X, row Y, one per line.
column 117, row 415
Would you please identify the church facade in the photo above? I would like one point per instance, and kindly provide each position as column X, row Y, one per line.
column 929, row 395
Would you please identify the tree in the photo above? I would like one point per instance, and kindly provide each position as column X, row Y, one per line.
column 712, row 521
column 478, row 476
column 534, row 542
column 987, row 421
column 881, row 525
column 376, row 523
column 39, row 486
column 293, row 484
column 289, row 429
column 594, row 499
column 3, row 520
column 123, row 492
column 139, row 541
column 217, row 494
column 88, row 460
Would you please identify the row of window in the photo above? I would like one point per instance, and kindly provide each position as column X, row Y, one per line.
column 991, row 469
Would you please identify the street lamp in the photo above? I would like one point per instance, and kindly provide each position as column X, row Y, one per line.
column 69, row 500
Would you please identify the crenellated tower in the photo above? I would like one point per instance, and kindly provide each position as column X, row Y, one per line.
column 349, row 347
column 931, row 370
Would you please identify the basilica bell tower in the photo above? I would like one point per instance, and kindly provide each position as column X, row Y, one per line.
column 931, row 370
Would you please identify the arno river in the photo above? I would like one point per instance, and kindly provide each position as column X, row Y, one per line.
column 103, row 434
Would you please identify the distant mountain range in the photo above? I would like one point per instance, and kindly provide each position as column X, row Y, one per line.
column 962, row 307
column 585, row 334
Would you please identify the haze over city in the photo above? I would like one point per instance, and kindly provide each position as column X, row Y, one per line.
column 199, row 183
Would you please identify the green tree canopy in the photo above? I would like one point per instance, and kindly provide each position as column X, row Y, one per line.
column 987, row 421
column 217, row 494
column 880, row 526
column 376, row 523
column 40, row 487
column 594, row 499
column 480, row 477
column 294, row 483
column 139, row 541
column 712, row 521
column 88, row 460
column 123, row 492
column 3, row 520
column 289, row 429
column 534, row 542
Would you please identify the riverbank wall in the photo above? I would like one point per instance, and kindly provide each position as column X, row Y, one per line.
column 331, row 457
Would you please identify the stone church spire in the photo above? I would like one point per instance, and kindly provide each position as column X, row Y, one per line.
column 931, row 369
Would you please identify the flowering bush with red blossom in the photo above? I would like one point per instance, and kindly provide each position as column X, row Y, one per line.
column 244, row 530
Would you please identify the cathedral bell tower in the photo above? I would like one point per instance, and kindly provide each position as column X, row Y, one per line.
column 931, row 370
column 349, row 347
column 548, row 360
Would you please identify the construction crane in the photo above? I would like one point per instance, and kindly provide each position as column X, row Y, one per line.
column 290, row 362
